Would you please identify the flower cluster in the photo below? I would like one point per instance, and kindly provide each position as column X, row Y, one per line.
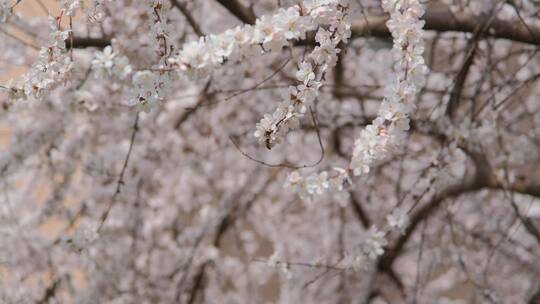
column 84, row 236
column 198, row 58
column 53, row 64
column 271, row 128
column 374, row 242
column 317, row 183
column 151, row 89
column 334, row 28
column 375, row 239
column 69, row 6
column 112, row 63
column 387, row 131
column 270, row 33
column 152, row 85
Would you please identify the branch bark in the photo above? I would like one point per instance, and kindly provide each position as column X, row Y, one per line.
column 483, row 178
column 243, row 13
column 440, row 20
column 189, row 17
column 424, row 212
column 479, row 182
column 535, row 298
column 86, row 42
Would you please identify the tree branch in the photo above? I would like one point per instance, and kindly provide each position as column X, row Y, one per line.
column 440, row 20
column 243, row 13
column 183, row 9
column 473, row 185
column 50, row 292
column 424, row 212
column 461, row 77
column 120, row 181
column 359, row 210
column 535, row 298
column 86, row 42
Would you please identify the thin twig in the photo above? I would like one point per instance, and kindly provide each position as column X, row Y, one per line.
column 120, row 182
column 183, row 9
column 286, row 164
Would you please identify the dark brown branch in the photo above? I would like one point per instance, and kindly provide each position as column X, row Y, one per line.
column 243, row 13
column 359, row 211
column 479, row 182
column 364, row 219
column 50, row 292
column 203, row 96
column 440, row 20
column 86, row 42
column 526, row 222
column 461, row 77
column 481, row 178
column 535, row 298
column 339, row 71
column 183, row 9
column 424, row 212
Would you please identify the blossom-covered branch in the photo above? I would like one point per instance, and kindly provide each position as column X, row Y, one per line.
column 388, row 130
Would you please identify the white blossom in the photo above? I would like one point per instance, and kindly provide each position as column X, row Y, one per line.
column 147, row 84
column 398, row 219
column 275, row 262
column 305, row 73
column 374, row 242
column 52, row 66
column 307, row 94
column 325, row 54
column 69, row 6
column 271, row 130
column 291, row 23
column 317, row 183
column 389, row 129
column 104, row 59
column 112, row 63
column 85, row 236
